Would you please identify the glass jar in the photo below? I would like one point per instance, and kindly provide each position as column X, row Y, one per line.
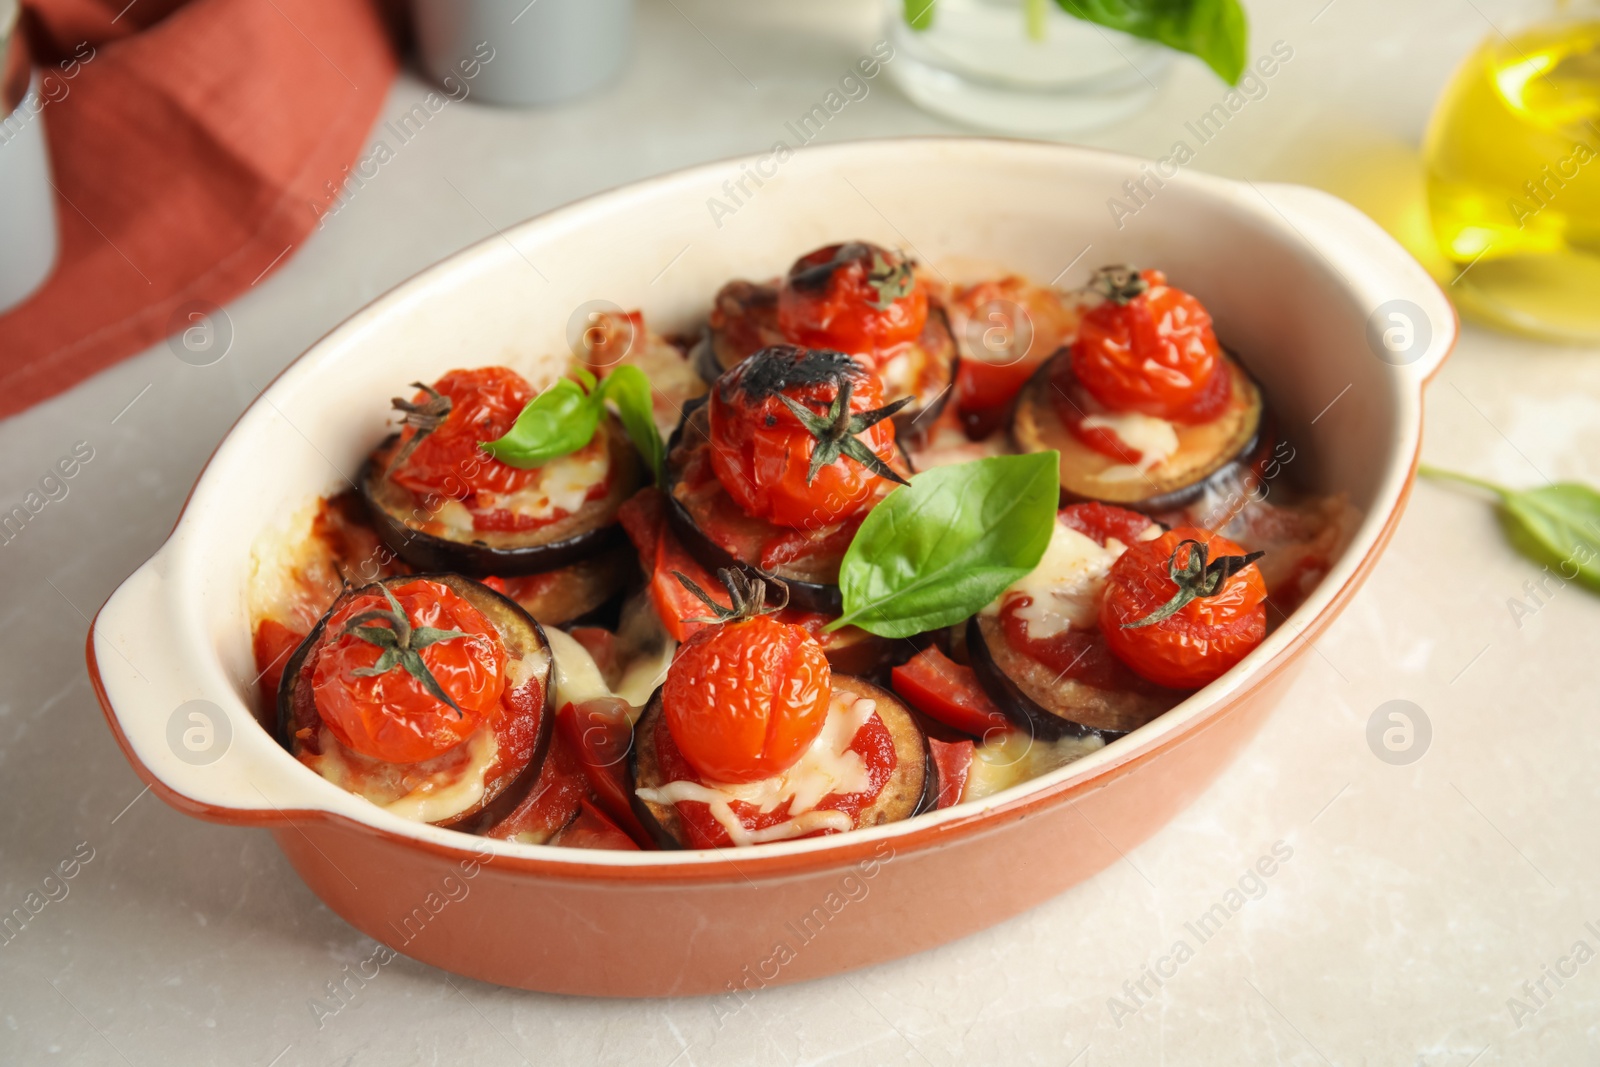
column 1021, row 66
column 1513, row 169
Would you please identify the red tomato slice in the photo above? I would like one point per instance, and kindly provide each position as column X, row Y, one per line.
column 272, row 645
column 553, row 801
column 644, row 517
column 601, row 735
column 949, row 692
column 954, row 761
column 1101, row 522
column 591, row 829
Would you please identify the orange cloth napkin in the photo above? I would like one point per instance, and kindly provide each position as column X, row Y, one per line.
column 188, row 147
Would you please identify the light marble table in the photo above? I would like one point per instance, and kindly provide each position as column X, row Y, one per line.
column 1417, row 900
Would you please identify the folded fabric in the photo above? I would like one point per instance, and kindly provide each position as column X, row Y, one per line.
column 189, row 143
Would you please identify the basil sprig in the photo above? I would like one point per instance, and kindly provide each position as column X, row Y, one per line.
column 937, row 550
column 1216, row 31
column 564, row 418
column 1555, row 525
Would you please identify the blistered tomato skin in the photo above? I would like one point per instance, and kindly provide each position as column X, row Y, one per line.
column 1155, row 353
column 1205, row 637
column 392, row 716
column 855, row 297
column 484, row 403
column 744, row 700
column 761, row 453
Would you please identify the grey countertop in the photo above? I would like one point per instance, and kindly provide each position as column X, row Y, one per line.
column 1415, row 903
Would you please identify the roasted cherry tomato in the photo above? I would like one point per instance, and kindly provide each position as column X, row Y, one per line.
column 476, row 406
column 1221, row 618
column 391, row 714
column 855, row 297
column 949, row 692
column 763, row 452
column 744, row 700
column 1149, row 347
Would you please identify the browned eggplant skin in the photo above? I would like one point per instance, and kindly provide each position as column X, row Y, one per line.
column 909, row 793
column 506, row 615
column 429, row 552
column 1256, row 449
column 1091, row 710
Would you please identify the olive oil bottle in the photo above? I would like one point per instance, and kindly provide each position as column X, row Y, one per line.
column 1513, row 163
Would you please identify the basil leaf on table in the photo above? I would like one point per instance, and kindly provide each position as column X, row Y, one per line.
column 1214, row 30
column 937, row 550
column 565, row 417
column 1556, row 525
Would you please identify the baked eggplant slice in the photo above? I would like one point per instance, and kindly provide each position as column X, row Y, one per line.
column 468, row 787
column 910, row 788
column 412, row 530
column 588, row 591
column 1048, row 705
column 1206, row 453
column 744, row 320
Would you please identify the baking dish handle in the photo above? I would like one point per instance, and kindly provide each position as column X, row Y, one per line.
column 1412, row 324
column 181, row 721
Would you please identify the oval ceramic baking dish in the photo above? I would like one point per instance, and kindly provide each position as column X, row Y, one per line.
column 1297, row 282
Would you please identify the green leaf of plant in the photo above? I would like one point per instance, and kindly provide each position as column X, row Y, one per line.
column 1555, row 525
column 937, row 550
column 919, row 13
column 629, row 389
column 1214, row 30
column 557, row 422
column 1559, row 526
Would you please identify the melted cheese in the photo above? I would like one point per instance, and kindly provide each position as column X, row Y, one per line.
column 562, row 486
column 828, row 766
column 408, row 790
column 451, row 792
column 1013, row 757
column 1154, row 439
column 578, row 677
column 1066, row 586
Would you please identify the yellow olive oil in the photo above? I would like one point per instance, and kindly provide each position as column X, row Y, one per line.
column 1513, row 162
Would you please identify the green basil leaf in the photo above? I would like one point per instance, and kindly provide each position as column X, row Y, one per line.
column 629, row 389
column 1214, row 30
column 937, row 550
column 919, row 13
column 557, row 422
column 1556, row 525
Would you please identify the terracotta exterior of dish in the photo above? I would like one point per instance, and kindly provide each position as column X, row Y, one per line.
column 728, row 923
